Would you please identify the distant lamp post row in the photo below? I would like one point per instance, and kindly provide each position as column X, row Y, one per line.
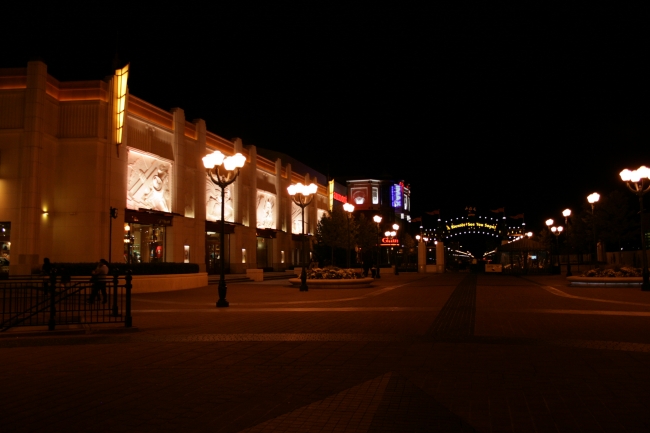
column 302, row 195
column 349, row 208
column 377, row 220
column 635, row 181
column 593, row 199
column 222, row 171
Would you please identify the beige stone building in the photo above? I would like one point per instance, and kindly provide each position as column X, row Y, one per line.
column 71, row 152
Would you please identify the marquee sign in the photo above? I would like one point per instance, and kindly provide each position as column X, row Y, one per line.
column 471, row 225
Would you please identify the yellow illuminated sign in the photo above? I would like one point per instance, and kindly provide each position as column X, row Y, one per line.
column 470, row 224
column 121, row 76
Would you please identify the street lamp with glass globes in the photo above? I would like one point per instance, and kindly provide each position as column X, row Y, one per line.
column 592, row 199
column 557, row 231
column 636, row 182
column 377, row 220
column 549, row 223
column 567, row 213
column 392, row 234
column 222, row 171
column 348, row 208
column 302, row 196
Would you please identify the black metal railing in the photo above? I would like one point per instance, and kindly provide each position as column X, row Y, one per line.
column 48, row 301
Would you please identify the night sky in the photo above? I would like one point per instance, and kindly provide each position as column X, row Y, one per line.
column 523, row 107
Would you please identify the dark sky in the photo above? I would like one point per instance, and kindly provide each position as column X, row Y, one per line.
column 529, row 107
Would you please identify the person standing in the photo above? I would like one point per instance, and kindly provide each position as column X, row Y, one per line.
column 99, row 282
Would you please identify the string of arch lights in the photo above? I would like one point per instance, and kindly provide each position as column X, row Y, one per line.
column 486, row 226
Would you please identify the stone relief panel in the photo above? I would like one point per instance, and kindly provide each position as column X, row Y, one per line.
column 149, row 182
column 296, row 219
column 213, row 202
column 321, row 213
column 265, row 210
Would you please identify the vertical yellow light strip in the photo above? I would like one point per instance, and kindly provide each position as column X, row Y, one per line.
column 121, row 76
column 330, row 188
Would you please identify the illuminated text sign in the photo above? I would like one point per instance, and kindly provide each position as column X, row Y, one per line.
column 469, row 224
column 340, row 197
column 396, row 195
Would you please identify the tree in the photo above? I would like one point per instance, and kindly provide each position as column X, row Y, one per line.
column 615, row 221
column 332, row 231
column 409, row 248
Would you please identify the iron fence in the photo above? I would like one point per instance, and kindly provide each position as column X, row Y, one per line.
column 47, row 301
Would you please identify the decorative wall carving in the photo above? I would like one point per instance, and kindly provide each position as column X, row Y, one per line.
column 149, row 182
column 265, row 210
column 296, row 219
column 321, row 213
column 213, row 202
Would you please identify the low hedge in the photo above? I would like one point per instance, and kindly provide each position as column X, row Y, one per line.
column 85, row 269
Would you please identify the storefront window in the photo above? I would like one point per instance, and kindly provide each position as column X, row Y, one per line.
column 213, row 253
column 264, row 254
column 144, row 243
column 5, row 246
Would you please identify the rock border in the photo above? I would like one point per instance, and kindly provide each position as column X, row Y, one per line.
column 342, row 283
column 605, row 281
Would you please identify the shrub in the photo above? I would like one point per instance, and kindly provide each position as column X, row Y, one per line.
column 617, row 272
column 332, row 273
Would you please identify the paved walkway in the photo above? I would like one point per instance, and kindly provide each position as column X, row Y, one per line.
column 414, row 353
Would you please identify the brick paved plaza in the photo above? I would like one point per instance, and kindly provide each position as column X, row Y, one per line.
column 415, row 352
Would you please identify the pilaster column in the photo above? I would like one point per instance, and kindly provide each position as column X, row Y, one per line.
column 27, row 242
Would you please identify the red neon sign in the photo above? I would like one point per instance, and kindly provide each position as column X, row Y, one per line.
column 340, row 197
column 389, row 241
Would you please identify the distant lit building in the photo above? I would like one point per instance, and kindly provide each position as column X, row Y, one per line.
column 391, row 199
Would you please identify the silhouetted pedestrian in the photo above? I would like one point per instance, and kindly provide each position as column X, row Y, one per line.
column 99, row 282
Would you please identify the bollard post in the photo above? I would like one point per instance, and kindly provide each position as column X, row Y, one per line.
column 116, row 274
column 51, row 324
column 127, row 288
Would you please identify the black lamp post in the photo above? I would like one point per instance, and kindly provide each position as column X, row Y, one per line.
column 549, row 223
column 222, row 171
column 302, row 195
column 592, row 199
column 635, row 181
column 377, row 219
column 567, row 213
column 349, row 208
column 557, row 231
column 392, row 234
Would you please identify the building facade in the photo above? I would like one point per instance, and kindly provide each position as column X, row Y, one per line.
column 88, row 171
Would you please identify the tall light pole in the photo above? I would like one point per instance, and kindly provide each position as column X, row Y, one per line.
column 394, row 234
column 349, row 208
column 635, row 181
column 567, row 213
column 557, row 231
column 592, row 199
column 222, row 171
column 377, row 219
column 302, row 195
column 549, row 223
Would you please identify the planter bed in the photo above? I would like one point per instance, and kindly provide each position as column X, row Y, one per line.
column 343, row 283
